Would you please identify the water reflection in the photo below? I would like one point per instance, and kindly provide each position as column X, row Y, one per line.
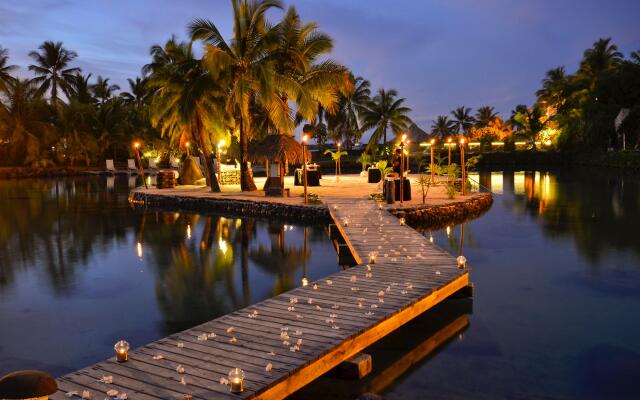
column 76, row 245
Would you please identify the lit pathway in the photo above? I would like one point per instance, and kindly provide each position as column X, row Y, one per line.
column 287, row 341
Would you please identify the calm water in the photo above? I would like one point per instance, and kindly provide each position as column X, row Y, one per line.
column 556, row 265
column 556, row 313
column 79, row 268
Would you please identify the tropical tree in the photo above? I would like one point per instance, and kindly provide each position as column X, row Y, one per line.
column 52, row 68
column 187, row 103
column 553, row 86
column 462, row 120
column 528, row 121
column 103, row 90
column 442, row 127
column 382, row 112
column 5, row 69
column 80, row 89
column 484, row 115
column 138, row 93
column 344, row 123
column 246, row 67
column 602, row 57
column 24, row 122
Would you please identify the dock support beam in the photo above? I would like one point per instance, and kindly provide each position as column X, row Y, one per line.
column 357, row 367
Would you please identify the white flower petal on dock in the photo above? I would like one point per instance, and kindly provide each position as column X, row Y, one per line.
column 202, row 338
column 291, row 308
column 368, row 267
column 86, row 394
column 180, row 369
column 355, row 289
column 360, row 305
column 297, row 333
column 112, row 393
column 333, row 315
column 299, row 342
column 180, row 345
column 310, row 301
column 224, row 381
column 403, row 292
column 299, row 316
column 122, row 396
column 368, row 313
column 271, row 353
column 381, row 293
column 438, row 273
column 72, row 393
column 233, row 339
column 394, row 283
column 380, row 300
column 211, row 335
column 336, row 327
column 293, row 300
column 388, row 289
column 329, row 321
column 374, row 306
column 285, row 343
column 335, row 306
column 353, row 278
column 329, row 282
column 158, row 357
column 315, row 287
column 106, row 379
column 318, row 308
column 230, row 329
column 183, row 381
column 269, row 367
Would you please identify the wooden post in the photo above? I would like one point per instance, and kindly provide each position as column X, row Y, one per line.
column 462, row 173
column 449, row 145
column 433, row 142
column 304, row 167
column 140, row 169
column 402, row 169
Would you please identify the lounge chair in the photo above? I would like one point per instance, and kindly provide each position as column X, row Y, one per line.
column 111, row 183
column 111, row 169
column 131, row 166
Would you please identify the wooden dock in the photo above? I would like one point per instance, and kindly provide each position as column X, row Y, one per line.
column 289, row 340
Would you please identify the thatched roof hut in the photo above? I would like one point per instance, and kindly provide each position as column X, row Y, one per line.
column 283, row 148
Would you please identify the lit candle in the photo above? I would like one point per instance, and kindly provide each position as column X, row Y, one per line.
column 122, row 350
column 305, row 281
column 345, row 221
column 335, row 208
column 236, row 380
column 380, row 205
column 402, row 221
column 462, row 261
column 372, row 257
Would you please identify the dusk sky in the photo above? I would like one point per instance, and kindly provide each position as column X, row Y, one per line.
column 437, row 54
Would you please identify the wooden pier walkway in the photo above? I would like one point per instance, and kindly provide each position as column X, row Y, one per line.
column 289, row 340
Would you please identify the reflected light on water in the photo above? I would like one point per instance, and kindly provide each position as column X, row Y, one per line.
column 188, row 231
column 139, row 250
column 222, row 244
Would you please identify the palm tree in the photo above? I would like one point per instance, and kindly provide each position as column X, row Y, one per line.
column 600, row 58
column 246, row 66
column 552, row 86
column 5, row 69
column 484, row 115
column 103, row 90
column 382, row 112
column 51, row 68
column 187, row 103
column 462, row 120
column 527, row 121
column 344, row 123
column 80, row 89
column 138, row 93
column 442, row 127
column 24, row 117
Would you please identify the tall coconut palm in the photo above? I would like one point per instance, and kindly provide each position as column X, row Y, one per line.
column 600, row 58
column 138, row 93
column 344, row 123
column 5, row 69
column 246, row 66
column 385, row 111
column 552, row 86
column 484, row 115
column 24, row 118
column 187, row 103
column 462, row 120
column 442, row 127
column 80, row 89
column 52, row 68
column 103, row 90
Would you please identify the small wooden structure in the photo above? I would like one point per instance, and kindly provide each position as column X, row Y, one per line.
column 281, row 150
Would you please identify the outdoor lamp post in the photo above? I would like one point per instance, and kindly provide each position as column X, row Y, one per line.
column 408, row 156
column 122, row 350
column 136, row 146
column 462, row 173
column 402, row 140
column 449, row 146
column 338, row 163
column 304, row 166
column 433, row 142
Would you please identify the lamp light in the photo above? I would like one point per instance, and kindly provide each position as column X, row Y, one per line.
column 462, row 261
column 236, row 380
column 122, row 350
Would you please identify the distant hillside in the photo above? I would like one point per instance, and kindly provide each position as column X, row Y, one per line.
column 417, row 135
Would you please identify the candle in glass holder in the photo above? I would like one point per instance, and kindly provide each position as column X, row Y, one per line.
column 402, row 221
column 122, row 350
column 372, row 257
column 335, row 208
column 236, row 380
column 462, row 261
column 345, row 221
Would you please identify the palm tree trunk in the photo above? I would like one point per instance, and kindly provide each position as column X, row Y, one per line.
column 246, row 178
column 54, row 91
column 199, row 136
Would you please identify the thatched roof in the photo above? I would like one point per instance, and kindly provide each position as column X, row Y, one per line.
column 278, row 148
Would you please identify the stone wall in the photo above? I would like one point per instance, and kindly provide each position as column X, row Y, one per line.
column 439, row 216
column 315, row 214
